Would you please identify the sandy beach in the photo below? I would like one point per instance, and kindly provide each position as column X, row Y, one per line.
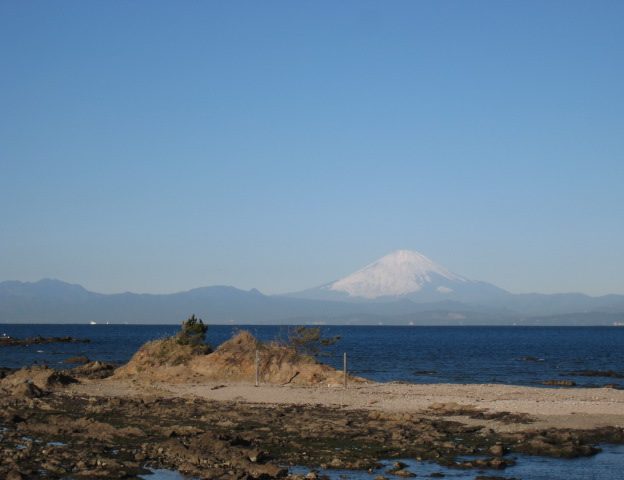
column 577, row 408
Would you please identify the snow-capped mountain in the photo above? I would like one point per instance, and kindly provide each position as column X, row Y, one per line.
column 398, row 273
column 405, row 274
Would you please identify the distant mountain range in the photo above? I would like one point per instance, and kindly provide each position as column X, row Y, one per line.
column 402, row 288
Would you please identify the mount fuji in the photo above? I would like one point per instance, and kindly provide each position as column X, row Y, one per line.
column 405, row 274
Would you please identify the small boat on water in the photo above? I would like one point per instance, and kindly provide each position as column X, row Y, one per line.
column 92, row 323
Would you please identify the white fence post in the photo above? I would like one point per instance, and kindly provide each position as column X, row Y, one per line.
column 345, row 369
column 257, row 368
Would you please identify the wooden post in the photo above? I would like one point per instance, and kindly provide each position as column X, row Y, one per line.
column 257, row 368
column 345, row 370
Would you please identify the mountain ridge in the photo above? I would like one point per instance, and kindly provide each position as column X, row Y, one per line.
column 403, row 287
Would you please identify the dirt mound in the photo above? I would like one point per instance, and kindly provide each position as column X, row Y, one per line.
column 162, row 359
column 23, row 390
column 34, row 381
column 43, row 377
column 234, row 360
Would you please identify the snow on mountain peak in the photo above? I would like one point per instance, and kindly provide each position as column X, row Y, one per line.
column 398, row 273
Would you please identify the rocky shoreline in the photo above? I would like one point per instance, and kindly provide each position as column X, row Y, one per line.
column 168, row 408
column 60, row 434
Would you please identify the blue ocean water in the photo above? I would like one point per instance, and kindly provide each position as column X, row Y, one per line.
column 508, row 355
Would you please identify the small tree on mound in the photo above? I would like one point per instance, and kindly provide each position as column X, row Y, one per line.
column 193, row 333
column 309, row 340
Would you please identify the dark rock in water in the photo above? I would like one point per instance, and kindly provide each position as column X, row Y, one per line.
column 496, row 463
column 401, row 472
column 6, row 341
column 529, row 358
column 424, row 372
column 497, row 450
column 79, row 359
column 559, row 383
column 597, row 373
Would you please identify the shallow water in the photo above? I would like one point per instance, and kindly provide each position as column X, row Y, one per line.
column 606, row 465
column 162, row 474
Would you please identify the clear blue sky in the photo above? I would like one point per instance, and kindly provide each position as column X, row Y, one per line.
column 158, row 146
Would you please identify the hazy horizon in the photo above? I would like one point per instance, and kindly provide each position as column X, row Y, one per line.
column 254, row 288
column 162, row 147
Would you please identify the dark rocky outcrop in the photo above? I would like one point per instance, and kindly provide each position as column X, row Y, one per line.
column 80, row 359
column 597, row 373
column 93, row 370
column 559, row 383
column 6, row 341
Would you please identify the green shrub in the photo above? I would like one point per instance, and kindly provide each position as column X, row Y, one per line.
column 193, row 333
column 309, row 340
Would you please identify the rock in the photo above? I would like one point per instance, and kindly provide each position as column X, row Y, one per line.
column 26, row 389
column 597, row 373
column 94, row 370
column 43, row 377
column 497, row 463
column 78, row 359
column 268, row 471
column 14, row 475
column 559, row 383
column 255, row 455
column 402, row 472
column 529, row 358
column 497, row 450
column 38, row 340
